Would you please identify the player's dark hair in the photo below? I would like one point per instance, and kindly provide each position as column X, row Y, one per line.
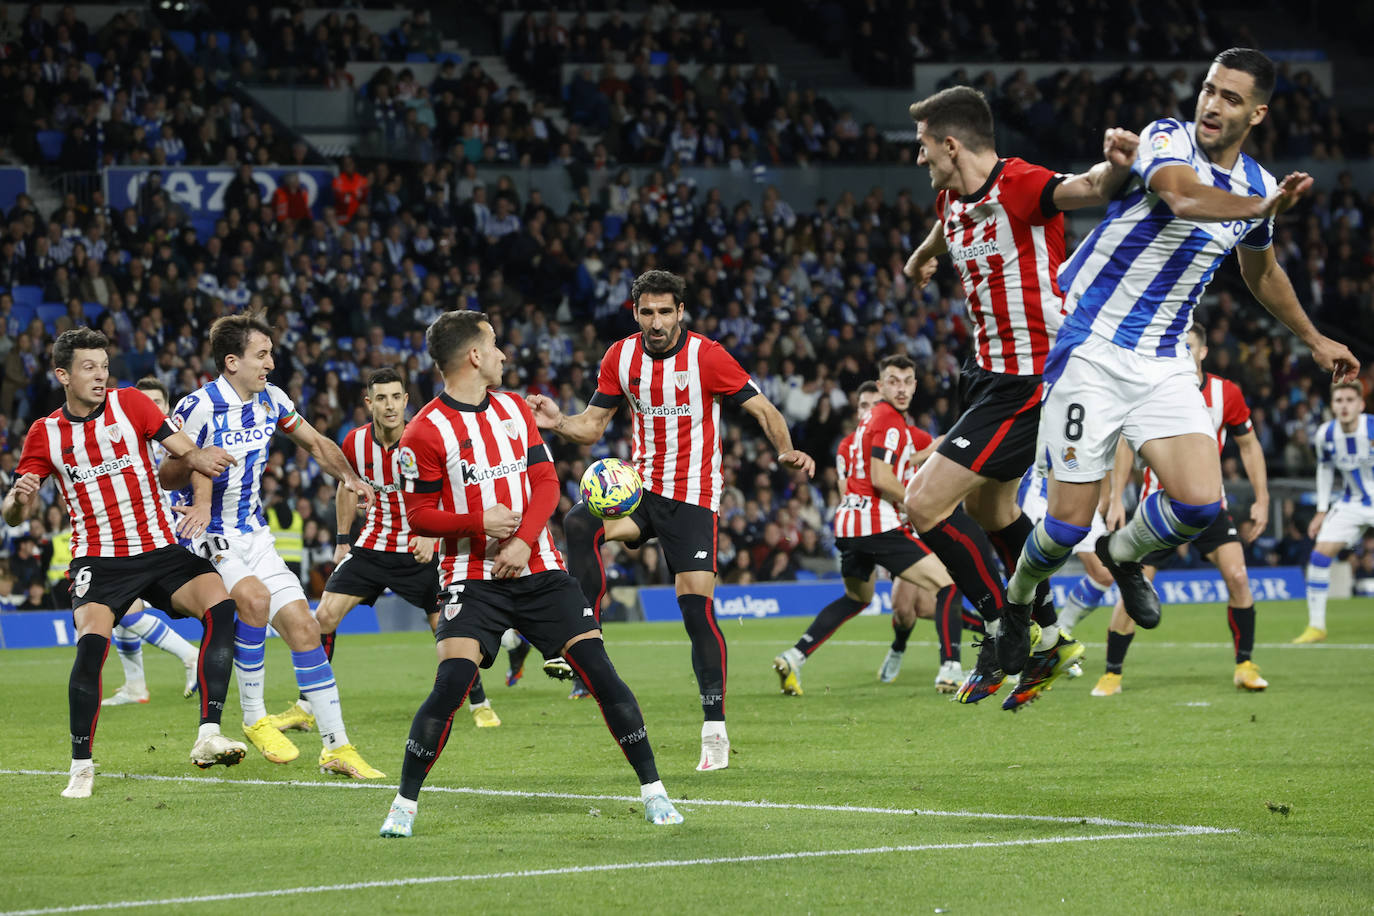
column 1198, row 329
column 961, row 112
column 1353, row 384
column 76, row 339
column 153, row 383
column 658, row 281
column 453, row 333
column 383, row 377
column 897, row 361
column 868, row 387
column 1255, row 63
column 229, row 335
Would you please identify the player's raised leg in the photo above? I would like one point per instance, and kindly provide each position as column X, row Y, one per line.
column 205, row 598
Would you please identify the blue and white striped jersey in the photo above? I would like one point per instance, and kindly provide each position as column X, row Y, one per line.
column 1350, row 453
column 216, row 415
column 1136, row 279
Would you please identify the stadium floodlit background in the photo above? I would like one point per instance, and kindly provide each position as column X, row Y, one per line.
column 356, row 171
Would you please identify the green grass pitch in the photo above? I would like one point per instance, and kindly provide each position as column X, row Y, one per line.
column 874, row 790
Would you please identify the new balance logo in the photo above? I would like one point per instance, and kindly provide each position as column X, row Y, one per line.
column 961, row 442
column 701, row 555
column 586, row 612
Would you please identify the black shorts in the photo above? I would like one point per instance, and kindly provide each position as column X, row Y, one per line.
column 996, row 434
column 895, row 551
column 547, row 608
column 117, row 582
column 1222, row 531
column 687, row 533
column 365, row 574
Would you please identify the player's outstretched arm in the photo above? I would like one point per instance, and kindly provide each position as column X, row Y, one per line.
column 331, row 459
column 1180, row 188
column 923, row 261
column 195, row 517
column 183, row 457
column 1274, row 291
column 1098, row 185
column 20, row 499
column 775, row 428
column 584, row 429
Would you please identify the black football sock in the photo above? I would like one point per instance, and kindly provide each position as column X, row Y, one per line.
column 1117, row 645
column 430, row 729
column 517, row 655
column 618, row 705
column 585, row 533
column 830, row 619
column 1242, row 621
column 900, row 635
column 974, row 623
column 83, row 692
column 476, row 695
column 708, row 653
column 964, row 549
column 215, row 665
column 949, row 622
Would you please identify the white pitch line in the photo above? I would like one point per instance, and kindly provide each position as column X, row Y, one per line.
column 1191, row 829
column 590, row 869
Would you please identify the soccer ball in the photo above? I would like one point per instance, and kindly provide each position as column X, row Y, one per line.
column 611, row 488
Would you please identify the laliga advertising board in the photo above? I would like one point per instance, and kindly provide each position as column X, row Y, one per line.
column 200, row 191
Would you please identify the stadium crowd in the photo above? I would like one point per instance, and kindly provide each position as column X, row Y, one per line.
column 806, row 294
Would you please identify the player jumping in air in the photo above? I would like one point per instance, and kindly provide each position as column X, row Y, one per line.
column 1120, row 365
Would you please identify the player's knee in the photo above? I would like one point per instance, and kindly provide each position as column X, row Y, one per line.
column 1065, row 534
column 1238, row 587
column 453, row 680
column 1195, row 515
column 1319, row 560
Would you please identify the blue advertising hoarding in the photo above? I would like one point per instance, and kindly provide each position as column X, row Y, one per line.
column 47, row 629
column 805, row 599
column 200, row 191
column 14, row 180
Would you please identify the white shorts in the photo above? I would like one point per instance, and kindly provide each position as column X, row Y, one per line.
column 1035, row 505
column 1346, row 523
column 1106, row 392
column 241, row 556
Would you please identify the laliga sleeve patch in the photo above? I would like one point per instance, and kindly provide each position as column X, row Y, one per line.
column 1161, row 143
column 892, row 439
column 409, row 467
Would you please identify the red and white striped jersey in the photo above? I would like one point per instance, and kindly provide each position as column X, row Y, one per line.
column 106, row 471
column 476, row 456
column 1007, row 240
column 1229, row 413
column 675, row 398
column 884, row 435
column 385, row 527
column 920, row 439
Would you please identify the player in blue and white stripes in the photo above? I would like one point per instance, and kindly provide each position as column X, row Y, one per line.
column 1121, row 366
column 241, row 411
column 1344, row 444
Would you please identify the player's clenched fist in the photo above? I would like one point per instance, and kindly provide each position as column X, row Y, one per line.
column 211, row 461
column 500, row 522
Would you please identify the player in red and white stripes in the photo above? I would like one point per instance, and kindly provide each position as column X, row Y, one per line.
column 478, row 475
column 1000, row 221
column 870, row 530
column 1220, row 543
column 98, row 447
column 673, row 380
column 386, row 554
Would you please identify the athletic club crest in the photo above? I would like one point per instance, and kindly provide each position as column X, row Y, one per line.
column 451, row 610
column 512, row 428
column 115, row 432
column 682, row 378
